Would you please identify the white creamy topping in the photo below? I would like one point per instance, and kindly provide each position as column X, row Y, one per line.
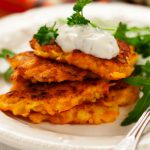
column 87, row 39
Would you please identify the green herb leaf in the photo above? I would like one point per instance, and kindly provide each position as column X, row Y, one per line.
column 137, row 70
column 80, row 4
column 7, row 74
column 6, row 53
column 138, row 81
column 142, row 80
column 146, row 68
column 121, row 32
column 77, row 18
column 140, row 107
column 140, row 39
column 46, row 35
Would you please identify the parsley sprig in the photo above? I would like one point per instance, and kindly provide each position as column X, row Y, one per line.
column 4, row 53
column 77, row 18
column 140, row 39
column 80, row 4
column 46, row 35
column 142, row 79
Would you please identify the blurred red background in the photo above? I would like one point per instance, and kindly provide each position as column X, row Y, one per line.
column 11, row 6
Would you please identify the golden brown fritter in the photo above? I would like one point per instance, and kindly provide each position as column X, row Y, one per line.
column 51, row 98
column 38, row 107
column 103, row 111
column 126, row 94
column 117, row 68
column 123, row 97
column 92, row 113
column 37, row 69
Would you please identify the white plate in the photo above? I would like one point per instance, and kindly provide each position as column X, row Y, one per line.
column 15, row 32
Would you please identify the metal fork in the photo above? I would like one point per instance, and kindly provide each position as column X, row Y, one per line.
column 131, row 140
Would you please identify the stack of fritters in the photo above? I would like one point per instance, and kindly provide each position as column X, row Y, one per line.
column 58, row 87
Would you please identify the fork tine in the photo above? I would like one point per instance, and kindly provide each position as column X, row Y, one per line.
column 131, row 140
column 141, row 131
column 139, row 123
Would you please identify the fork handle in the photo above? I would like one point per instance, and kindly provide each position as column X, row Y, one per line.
column 126, row 143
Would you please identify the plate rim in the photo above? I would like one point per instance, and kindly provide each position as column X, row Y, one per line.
column 5, row 133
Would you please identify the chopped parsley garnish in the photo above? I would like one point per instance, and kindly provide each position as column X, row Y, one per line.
column 140, row 38
column 46, row 35
column 77, row 18
column 4, row 53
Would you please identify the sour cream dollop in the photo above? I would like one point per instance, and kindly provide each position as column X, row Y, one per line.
column 87, row 39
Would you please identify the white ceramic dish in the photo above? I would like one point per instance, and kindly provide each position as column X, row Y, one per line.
column 15, row 32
